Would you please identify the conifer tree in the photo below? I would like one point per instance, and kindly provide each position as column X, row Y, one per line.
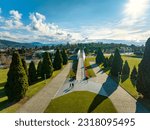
column 110, row 60
column 47, row 67
column 105, row 63
column 17, row 81
column 134, row 73
column 50, row 55
column 39, row 69
column 116, row 64
column 126, row 69
column 58, row 60
column 64, row 56
column 32, row 73
column 143, row 79
column 24, row 65
column 100, row 57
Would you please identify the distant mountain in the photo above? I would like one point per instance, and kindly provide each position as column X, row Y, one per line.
column 7, row 43
column 128, row 42
column 37, row 44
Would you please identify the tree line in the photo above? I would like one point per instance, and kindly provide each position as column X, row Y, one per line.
column 20, row 77
column 139, row 77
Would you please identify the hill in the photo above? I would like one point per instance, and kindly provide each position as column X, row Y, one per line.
column 7, row 43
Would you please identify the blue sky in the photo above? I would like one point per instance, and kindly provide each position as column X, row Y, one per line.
column 74, row 20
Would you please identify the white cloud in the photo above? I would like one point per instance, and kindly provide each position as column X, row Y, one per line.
column 37, row 30
column 15, row 15
column 15, row 20
column 40, row 27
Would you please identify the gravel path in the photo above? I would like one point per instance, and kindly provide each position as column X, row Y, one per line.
column 122, row 100
column 39, row 102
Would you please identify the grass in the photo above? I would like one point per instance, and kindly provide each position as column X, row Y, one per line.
column 88, row 69
column 91, row 58
column 81, row 102
column 127, row 84
column 7, row 107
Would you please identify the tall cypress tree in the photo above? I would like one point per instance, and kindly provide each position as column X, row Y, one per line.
column 116, row 64
column 17, row 81
column 110, row 60
column 64, row 56
column 39, row 69
column 105, row 63
column 126, row 69
column 134, row 73
column 24, row 65
column 100, row 57
column 47, row 67
column 143, row 79
column 32, row 73
column 58, row 60
column 50, row 55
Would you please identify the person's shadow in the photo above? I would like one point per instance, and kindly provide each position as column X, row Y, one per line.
column 108, row 87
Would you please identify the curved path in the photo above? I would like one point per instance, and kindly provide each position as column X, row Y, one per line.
column 39, row 102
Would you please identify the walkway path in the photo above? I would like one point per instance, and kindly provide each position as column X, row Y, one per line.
column 39, row 102
column 122, row 100
column 80, row 71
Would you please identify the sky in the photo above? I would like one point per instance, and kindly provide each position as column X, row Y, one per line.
column 61, row 21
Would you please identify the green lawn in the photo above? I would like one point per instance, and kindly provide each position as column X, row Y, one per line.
column 89, row 71
column 127, row 84
column 81, row 102
column 5, row 106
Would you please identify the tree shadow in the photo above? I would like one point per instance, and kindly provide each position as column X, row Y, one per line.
column 109, row 86
column 2, row 93
column 92, row 66
column 104, row 70
column 38, row 80
column 124, row 78
column 2, row 84
column 100, row 71
column 107, row 89
column 4, row 104
column 140, row 106
column 97, row 100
